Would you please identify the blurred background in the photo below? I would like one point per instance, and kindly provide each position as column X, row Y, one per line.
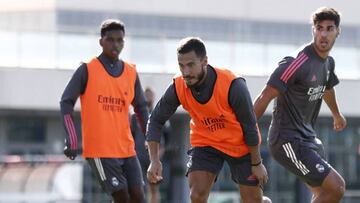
column 42, row 42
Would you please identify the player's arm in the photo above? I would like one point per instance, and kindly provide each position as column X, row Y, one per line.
column 330, row 100
column 240, row 101
column 163, row 110
column 139, row 104
column 263, row 99
column 75, row 87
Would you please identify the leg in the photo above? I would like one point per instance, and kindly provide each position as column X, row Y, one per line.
column 154, row 193
column 331, row 190
column 111, row 177
column 121, row 196
column 241, row 174
column 133, row 174
column 200, row 183
column 203, row 166
column 136, row 194
column 251, row 194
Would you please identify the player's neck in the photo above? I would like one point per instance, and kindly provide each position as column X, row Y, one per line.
column 321, row 54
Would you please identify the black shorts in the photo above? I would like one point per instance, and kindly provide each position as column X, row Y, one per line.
column 304, row 159
column 115, row 174
column 212, row 160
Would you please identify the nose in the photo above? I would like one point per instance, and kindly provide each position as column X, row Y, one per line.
column 324, row 33
column 185, row 71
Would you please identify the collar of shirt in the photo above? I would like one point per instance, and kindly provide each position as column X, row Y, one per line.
column 115, row 69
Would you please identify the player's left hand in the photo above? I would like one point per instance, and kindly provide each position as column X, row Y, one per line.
column 339, row 123
column 261, row 174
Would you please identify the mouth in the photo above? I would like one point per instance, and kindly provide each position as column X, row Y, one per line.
column 188, row 78
column 324, row 43
column 115, row 52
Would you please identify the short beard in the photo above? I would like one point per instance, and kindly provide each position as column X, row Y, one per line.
column 200, row 79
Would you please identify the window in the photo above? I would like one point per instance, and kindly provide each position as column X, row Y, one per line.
column 26, row 130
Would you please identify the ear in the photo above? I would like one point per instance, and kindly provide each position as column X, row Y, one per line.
column 205, row 61
column 338, row 32
column 100, row 41
column 313, row 30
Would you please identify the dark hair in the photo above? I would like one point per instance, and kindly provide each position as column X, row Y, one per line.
column 189, row 44
column 111, row 24
column 326, row 13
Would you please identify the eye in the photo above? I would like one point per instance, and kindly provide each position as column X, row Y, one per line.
column 109, row 39
column 331, row 28
column 319, row 28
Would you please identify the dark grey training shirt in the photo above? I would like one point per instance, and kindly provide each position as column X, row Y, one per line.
column 78, row 82
column 302, row 80
column 239, row 100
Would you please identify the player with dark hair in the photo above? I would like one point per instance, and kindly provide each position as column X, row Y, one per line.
column 223, row 126
column 299, row 84
column 107, row 87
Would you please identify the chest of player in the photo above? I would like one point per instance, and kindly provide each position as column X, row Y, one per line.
column 312, row 79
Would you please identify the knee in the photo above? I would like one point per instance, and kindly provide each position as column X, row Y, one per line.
column 337, row 190
column 340, row 190
column 121, row 196
column 197, row 196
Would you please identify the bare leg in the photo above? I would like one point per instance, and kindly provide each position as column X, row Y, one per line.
column 121, row 196
column 136, row 195
column 200, row 183
column 251, row 194
column 332, row 189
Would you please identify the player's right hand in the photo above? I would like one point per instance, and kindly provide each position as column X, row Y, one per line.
column 70, row 153
column 154, row 172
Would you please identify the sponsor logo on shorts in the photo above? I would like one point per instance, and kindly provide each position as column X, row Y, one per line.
column 114, row 181
column 320, row 168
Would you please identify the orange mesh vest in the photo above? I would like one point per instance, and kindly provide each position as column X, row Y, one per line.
column 105, row 112
column 214, row 123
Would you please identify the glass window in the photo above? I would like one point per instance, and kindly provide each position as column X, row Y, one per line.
column 9, row 52
column 37, row 50
column 147, row 53
column 26, row 130
column 250, row 59
column 73, row 49
column 346, row 62
column 171, row 63
column 219, row 53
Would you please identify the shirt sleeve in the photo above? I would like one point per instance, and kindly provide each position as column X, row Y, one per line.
column 280, row 79
column 139, row 104
column 163, row 110
column 75, row 87
column 333, row 79
column 240, row 102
